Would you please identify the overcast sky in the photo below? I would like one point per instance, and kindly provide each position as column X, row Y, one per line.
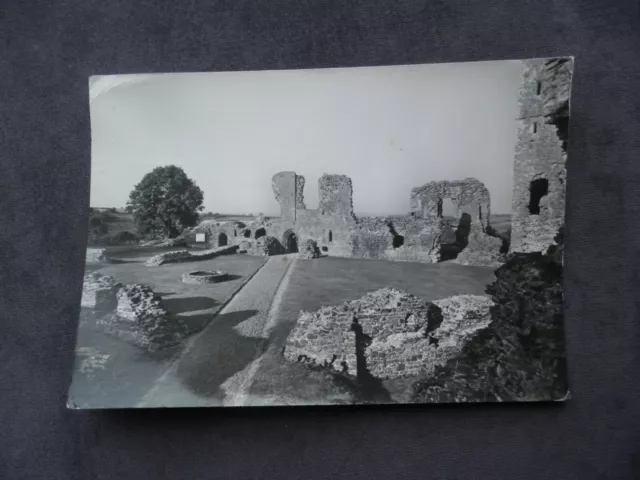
column 388, row 128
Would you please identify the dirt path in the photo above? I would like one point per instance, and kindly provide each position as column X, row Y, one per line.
column 217, row 363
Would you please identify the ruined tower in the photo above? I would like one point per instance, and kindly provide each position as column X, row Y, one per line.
column 538, row 205
column 336, row 195
column 288, row 189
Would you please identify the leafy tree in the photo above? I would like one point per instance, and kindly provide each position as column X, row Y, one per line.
column 165, row 202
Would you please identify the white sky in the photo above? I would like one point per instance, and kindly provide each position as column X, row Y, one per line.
column 388, row 128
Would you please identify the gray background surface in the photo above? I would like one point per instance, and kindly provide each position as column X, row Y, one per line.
column 47, row 51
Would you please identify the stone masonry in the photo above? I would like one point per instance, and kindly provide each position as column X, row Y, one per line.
column 96, row 255
column 388, row 333
column 263, row 246
column 468, row 196
column 425, row 235
column 99, row 292
column 540, row 160
column 309, row 249
column 141, row 318
column 179, row 256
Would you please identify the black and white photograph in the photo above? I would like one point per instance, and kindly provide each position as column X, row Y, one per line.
column 339, row 236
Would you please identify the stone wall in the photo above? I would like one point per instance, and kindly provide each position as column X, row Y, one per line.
column 538, row 206
column 99, row 292
column 481, row 249
column 309, row 249
column 387, row 333
column 131, row 312
column 336, row 195
column 179, row 256
column 468, row 196
column 141, row 318
column 285, row 189
column 425, row 236
column 96, row 255
column 263, row 246
column 224, row 233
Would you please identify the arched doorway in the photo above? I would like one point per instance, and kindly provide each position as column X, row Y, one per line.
column 290, row 241
column 261, row 232
column 222, row 239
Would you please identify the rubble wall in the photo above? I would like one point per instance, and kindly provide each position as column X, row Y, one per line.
column 399, row 334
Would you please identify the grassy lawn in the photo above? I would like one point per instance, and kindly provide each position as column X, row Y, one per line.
column 331, row 281
column 129, row 371
column 195, row 304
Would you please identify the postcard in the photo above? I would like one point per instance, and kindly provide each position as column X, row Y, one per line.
column 370, row 235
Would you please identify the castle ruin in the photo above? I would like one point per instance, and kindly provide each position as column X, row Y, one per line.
column 539, row 175
column 425, row 235
column 422, row 236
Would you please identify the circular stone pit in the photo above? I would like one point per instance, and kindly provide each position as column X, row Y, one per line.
column 201, row 276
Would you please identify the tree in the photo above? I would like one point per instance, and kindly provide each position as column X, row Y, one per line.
column 165, row 202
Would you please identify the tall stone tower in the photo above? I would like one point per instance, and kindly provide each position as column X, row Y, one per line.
column 336, row 196
column 288, row 189
column 539, row 182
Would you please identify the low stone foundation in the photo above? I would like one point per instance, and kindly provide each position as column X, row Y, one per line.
column 387, row 333
column 188, row 256
column 201, row 277
column 97, row 255
column 99, row 292
column 141, row 318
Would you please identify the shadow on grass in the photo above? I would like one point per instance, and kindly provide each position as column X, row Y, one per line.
column 118, row 261
column 218, row 354
column 230, row 278
column 195, row 323
column 190, row 304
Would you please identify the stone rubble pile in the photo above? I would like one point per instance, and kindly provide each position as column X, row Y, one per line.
column 97, row 255
column 99, row 292
column 308, row 249
column 393, row 333
column 187, row 256
column 141, row 318
column 132, row 312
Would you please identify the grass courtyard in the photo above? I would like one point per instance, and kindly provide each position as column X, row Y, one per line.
column 114, row 373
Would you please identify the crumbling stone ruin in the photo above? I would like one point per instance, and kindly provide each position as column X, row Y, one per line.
column 521, row 355
column 329, row 225
column 188, row 256
column 263, row 246
column 387, row 333
column 425, row 235
column 541, row 154
column 141, row 318
column 473, row 245
column 99, row 292
column 96, row 255
column 132, row 312
column 309, row 249
column 468, row 196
